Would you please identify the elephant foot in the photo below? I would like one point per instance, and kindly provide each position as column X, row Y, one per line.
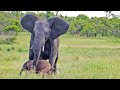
column 52, row 71
column 55, row 71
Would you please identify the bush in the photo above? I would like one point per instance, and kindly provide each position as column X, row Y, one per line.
column 13, row 48
column 11, row 30
column 8, row 49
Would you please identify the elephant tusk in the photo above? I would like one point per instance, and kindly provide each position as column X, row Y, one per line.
column 43, row 48
column 32, row 46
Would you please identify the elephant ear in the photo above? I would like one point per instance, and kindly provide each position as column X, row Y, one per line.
column 58, row 27
column 28, row 22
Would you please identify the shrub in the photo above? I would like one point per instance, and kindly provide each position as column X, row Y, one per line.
column 11, row 30
column 13, row 48
column 8, row 49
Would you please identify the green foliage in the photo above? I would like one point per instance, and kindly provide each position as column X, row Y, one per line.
column 11, row 29
column 88, row 28
column 13, row 48
column 82, row 17
column 49, row 14
column 84, row 26
column 94, row 26
column 14, row 22
column 76, row 23
column 9, row 26
column 80, row 25
column 8, row 49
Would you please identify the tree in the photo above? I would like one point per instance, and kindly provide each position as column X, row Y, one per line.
column 49, row 14
column 88, row 28
column 82, row 17
column 116, row 26
column 108, row 14
column 56, row 13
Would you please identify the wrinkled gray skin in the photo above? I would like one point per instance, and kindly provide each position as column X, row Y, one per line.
column 44, row 38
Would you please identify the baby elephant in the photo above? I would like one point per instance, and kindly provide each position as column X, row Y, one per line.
column 27, row 66
column 42, row 66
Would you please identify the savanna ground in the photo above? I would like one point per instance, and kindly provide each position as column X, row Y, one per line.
column 79, row 58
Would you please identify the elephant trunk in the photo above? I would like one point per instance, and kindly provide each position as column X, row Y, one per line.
column 24, row 67
column 39, row 42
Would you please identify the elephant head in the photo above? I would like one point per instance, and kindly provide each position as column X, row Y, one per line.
column 42, row 30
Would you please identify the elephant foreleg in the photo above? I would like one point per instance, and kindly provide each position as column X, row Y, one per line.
column 31, row 53
column 55, row 64
column 53, row 55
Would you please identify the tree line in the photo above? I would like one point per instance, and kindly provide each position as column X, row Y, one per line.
column 80, row 25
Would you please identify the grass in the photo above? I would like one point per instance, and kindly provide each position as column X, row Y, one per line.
column 79, row 58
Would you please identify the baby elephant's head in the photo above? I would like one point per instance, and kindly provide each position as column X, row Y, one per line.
column 28, row 66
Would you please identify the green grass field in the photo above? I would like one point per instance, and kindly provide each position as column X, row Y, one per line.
column 79, row 58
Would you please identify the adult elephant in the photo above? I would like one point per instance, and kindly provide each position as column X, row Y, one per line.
column 44, row 37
